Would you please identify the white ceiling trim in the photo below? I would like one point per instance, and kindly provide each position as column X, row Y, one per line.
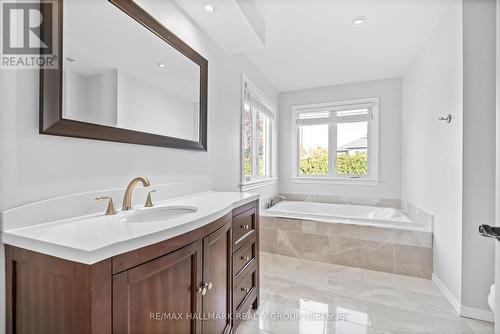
column 235, row 25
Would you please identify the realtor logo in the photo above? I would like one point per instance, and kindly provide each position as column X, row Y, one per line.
column 29, row 34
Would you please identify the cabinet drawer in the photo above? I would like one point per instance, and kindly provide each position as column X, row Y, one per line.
column 244, row 258
column 244, row 288
column 244, row 226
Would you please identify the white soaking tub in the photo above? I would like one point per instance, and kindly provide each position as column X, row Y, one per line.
column 346, row 213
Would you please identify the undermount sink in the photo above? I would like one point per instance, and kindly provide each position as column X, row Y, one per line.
column 157, row 214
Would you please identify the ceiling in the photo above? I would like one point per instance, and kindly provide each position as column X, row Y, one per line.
column 313, row 43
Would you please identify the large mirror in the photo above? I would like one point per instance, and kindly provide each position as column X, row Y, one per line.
column 124, row 77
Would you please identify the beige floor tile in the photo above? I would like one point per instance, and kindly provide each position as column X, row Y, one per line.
column 245, row 329
column 480, row 327
column 335, row 299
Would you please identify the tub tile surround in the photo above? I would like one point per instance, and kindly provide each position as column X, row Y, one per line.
column 367, row 301
column 415, row 213
column 377, row 248
column 361, row 253
column 413, row 261
column 371, row 201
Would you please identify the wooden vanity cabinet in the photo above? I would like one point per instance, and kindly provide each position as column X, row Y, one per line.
column 147, row 296
column 181, row 285
column 217, row 265
column 245, row 260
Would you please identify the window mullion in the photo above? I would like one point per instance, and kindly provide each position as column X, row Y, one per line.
column 297, row 149
column 369, row 144
column 269, row 143
column 266, row 146
column 266, row 157
column 332, row 144
column 255, row 170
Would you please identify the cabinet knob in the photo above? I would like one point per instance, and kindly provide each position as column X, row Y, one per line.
column 246, row 258
column 245, row 227
column 204, row 288
column 202, row 291
column 245, row 289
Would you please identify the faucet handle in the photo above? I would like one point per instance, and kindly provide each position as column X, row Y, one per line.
column 110, row 211
column 149, row 202
column 275, row 199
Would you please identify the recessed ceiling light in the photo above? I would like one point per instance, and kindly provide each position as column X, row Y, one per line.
column 209, row 7
column 161, row 64
column 359, row 20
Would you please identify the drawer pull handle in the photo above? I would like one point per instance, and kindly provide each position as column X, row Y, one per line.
column 246, row 258
column 245, row 289
column 245, row 227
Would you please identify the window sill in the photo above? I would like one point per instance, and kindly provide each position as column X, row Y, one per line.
column 254, row 184
column 336, row 180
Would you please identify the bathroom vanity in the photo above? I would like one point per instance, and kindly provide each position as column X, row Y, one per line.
column 198, row 279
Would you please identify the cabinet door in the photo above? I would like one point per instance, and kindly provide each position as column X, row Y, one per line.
column 160, row 296
column 217, row 256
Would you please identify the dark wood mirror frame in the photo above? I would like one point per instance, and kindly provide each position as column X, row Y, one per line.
column 51, row 82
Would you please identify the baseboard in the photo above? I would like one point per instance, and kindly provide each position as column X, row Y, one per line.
column 447, row 294
column 478, row 314
column 461, row 310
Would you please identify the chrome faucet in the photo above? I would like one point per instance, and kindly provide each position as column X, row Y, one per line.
column 275, row 200
column 127, row 199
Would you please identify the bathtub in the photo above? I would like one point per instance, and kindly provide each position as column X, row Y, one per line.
column 345, row 213
column 375, row 238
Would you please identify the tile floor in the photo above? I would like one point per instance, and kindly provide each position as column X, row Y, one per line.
column 307, row 297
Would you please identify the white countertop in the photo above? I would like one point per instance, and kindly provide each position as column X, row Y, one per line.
column 93, row 238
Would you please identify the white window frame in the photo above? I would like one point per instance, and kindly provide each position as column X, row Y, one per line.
column 256, row 181
column 372, row 177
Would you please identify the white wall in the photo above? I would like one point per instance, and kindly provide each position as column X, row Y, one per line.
column 432, row 150
column 390, row 111
column 35, row 167
column 478, row 255
column 497, row 167
column 448, row 169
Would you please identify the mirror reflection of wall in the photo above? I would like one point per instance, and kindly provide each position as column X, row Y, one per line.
column 108, row 80
column 91, row 96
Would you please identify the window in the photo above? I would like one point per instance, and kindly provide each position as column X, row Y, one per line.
column 336, row 141
column 257, row 135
